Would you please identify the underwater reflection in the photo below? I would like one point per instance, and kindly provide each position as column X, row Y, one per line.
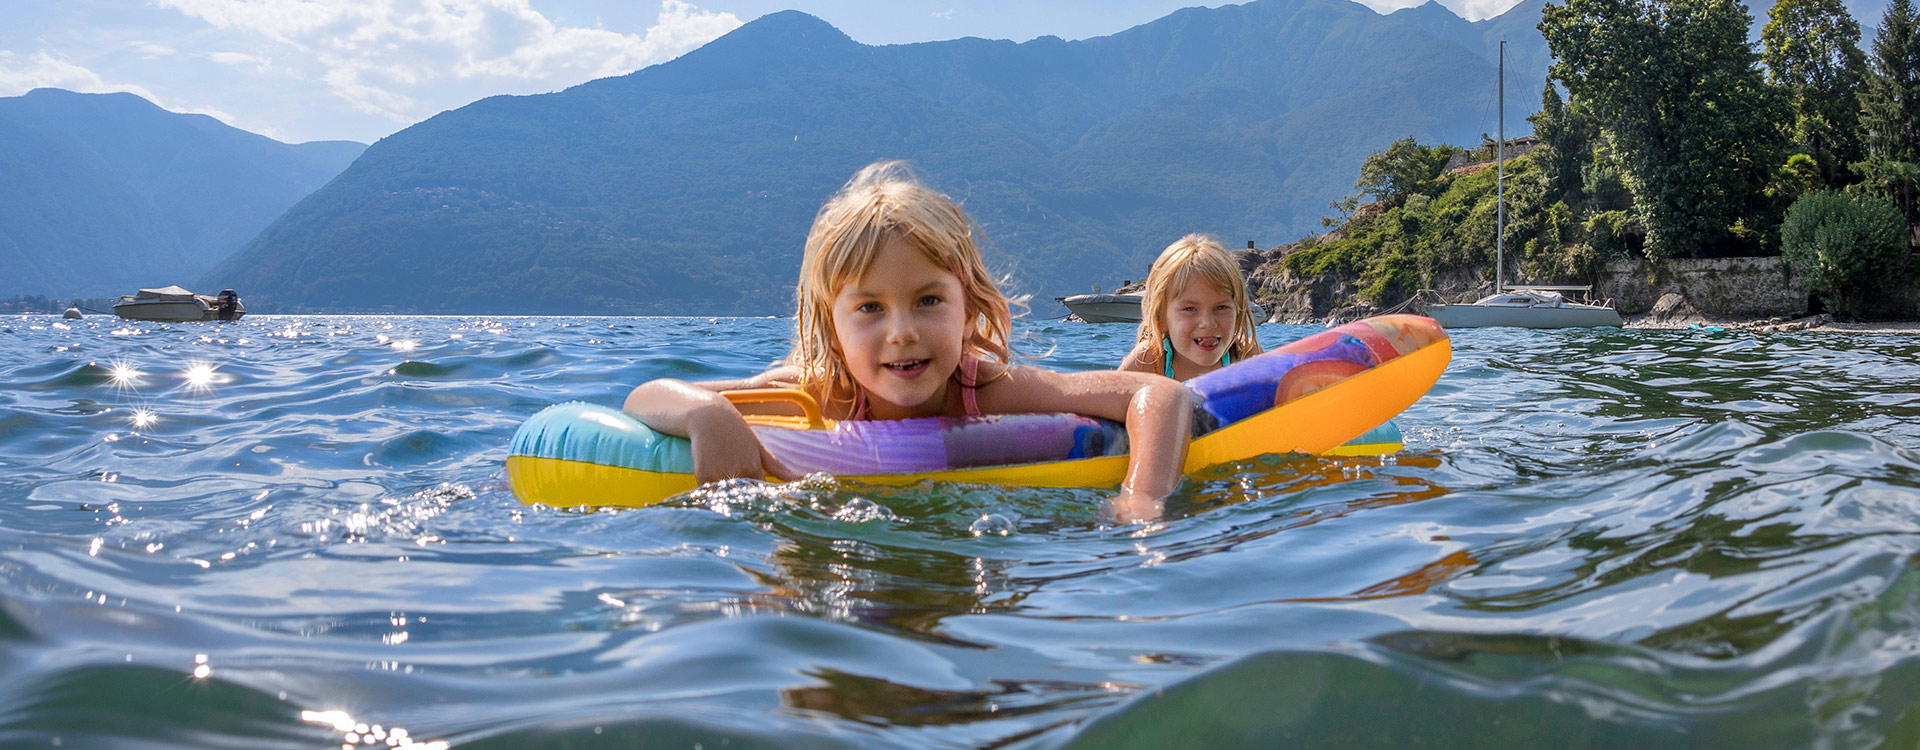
column 900, row 589
column 880, row 702
column 908, row 559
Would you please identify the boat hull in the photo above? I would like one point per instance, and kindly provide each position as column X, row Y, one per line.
column 172, row 311
column 1485, row 316
column 1118, row 308
column 1106, row 311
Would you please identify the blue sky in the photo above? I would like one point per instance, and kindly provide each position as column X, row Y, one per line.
column 301, row 70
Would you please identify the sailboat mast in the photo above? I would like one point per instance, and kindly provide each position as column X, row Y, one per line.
column 1500, row 184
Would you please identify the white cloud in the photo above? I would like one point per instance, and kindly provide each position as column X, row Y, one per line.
column 240, row 60
column 151, row 50
column 944, row 15
column 44, row 70
column 1472, row 10
column 1480, row 10
column 18, row 76
column 396, row 58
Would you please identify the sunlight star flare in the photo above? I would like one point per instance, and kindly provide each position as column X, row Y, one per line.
column 200, row 377
column 124, row 375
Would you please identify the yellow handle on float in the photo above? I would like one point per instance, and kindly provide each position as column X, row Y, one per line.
column 808, row 406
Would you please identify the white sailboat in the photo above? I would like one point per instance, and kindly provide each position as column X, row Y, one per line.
column 1524, row 306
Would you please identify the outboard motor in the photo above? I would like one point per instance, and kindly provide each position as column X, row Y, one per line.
column 229, row 302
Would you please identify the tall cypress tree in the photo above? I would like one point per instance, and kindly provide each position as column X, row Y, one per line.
column 1812, row 50
column 1890, row 108
column 1564, row 146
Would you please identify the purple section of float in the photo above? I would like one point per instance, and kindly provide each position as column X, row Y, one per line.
column 920, row 445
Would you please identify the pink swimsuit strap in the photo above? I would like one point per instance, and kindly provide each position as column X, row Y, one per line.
column 969, row 380
column 970, row 385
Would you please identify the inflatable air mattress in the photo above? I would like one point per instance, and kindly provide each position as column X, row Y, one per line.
column 1315, row 395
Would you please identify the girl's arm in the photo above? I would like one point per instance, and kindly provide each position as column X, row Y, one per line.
column 1157, row 411
column 723, row 446
column 1140, row 360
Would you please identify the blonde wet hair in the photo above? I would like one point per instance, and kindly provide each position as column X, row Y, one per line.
column 884, row 201
column 1195, row 257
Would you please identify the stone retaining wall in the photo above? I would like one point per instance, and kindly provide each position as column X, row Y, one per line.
column 1733, row 288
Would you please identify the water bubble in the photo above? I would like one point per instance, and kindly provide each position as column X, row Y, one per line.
column 818, row 481
column 728, row 497
column 862, row 510
column 991, row 523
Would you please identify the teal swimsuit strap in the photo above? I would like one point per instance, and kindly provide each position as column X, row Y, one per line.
column 1166, row 345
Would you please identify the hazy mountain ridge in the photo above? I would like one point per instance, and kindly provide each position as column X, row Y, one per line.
column 107, row 192
column 687, row 187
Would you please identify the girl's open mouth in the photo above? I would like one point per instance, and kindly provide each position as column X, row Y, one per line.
column 1208, row 343
column 907, row 368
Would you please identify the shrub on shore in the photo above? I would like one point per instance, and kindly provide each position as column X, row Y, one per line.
column 1850, row 247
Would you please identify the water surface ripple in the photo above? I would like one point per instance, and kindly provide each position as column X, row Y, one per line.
column 295, row 532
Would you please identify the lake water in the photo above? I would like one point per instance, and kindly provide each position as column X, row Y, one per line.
column 295, row 532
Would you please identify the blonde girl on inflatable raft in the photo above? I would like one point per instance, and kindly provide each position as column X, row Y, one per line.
column 1194, row 317
column 899, row 318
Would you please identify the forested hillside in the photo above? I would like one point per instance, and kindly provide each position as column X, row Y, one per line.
column 687, row 187
column 1676, row 139
column 104, row 193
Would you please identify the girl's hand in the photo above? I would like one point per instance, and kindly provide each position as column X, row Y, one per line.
column 725, row 448
column 1134, row 507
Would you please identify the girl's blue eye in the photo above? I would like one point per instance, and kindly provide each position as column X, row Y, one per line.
column 930, row 300
column 868, row 307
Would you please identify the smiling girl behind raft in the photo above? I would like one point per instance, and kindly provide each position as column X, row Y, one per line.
column 898, row 317
column 1194, row 317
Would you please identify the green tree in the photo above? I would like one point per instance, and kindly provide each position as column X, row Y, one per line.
column 1603, row 183
column 1405, row 168
column 1345, row 206
column 1679, row 95
column 1890, row 108
column 1812, row 50
column 1900, row 181
column 1566, row 136
column 1850, row 247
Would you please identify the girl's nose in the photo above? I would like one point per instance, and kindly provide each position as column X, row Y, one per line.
column 900, row 330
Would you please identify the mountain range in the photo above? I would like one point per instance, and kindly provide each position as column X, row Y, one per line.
column 105, row 193
column 687, row 187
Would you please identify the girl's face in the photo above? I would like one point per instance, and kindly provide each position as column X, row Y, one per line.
column 1200, row 321
column 901, row 329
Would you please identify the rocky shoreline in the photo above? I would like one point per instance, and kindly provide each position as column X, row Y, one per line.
column 1746, row 294
column 1673, row 312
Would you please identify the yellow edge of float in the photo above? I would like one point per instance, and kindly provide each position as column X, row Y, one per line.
column 1365, row 449
column 1317, row 423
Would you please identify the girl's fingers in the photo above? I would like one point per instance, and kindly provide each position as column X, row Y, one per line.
column 774, row 468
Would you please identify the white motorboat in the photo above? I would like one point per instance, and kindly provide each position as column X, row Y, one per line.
column 1104, row 308
column 1117, row 308
column 174, row 304
column 1529, row 306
